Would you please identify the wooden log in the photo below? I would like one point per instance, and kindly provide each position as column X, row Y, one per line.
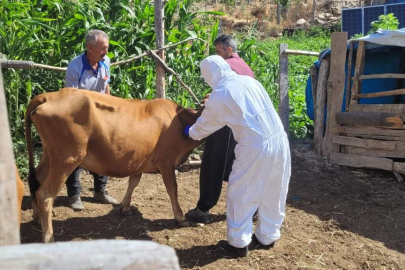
column 359, row 161
column 399, row 167
column 364, row 143
column 336, row 83
column 178, row 78
column 401, row 70
column 388, row 108
column 97, row 254
column 358, row 71
column 319, row 108
column 314, row 80
column 160, row 42
column 380, row 94
column 376, row 137
column 348, row 76
column 9, row 229
column 363, row 130
column 369, row 119
column 284, row 104
column 381, row 76
column 398, row 153
column 298, row 52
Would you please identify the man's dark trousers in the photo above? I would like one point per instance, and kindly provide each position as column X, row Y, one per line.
column 216, row 165
column 74, row 187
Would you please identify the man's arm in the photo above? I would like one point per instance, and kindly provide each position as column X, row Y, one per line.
column 107, row 90
column 211, row 118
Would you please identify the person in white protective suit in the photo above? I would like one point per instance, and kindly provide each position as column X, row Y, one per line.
column 262, row 168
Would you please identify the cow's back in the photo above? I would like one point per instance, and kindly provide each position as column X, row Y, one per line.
column 113, row 136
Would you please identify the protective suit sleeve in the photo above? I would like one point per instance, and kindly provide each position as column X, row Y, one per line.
column 211, row 118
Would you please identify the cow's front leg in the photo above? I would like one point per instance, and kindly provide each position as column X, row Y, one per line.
column 169, row 179
column 126, row 201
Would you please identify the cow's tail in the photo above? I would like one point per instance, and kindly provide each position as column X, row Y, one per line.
column 32, row 177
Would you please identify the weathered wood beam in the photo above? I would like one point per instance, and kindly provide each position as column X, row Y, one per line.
column 319, row 106
column 160, row 42
column 348, row 76
column 365, row 143
column 9, row 229
column 358, row 71
column 335, row 89
column 359, row 161
column 284, row 103
column 380, row 94
column 299, row 52
column 388, row 108
column 370, row 119
column 87, row 255
column 381, row 76
column 375, row 131
column 398, row 153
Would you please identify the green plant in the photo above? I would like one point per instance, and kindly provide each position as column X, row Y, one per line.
column 386, row 22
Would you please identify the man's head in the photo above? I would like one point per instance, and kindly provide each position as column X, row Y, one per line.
column 225, row 45
column 97, row 45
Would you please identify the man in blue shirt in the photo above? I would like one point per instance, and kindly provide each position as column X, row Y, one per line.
column 90, row 71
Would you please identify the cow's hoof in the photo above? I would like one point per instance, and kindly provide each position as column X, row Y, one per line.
column 126, row 213
column 183, row 223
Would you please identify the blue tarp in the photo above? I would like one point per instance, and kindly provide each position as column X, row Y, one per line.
column 379, row 59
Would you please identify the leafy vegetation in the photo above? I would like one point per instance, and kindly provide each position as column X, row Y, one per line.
column 52, row 32
column 388, row 22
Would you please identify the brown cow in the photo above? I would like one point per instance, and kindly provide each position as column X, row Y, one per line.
column 107, row 135
column 20, row 193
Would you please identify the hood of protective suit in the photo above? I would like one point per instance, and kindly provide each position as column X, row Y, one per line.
column 214, row 69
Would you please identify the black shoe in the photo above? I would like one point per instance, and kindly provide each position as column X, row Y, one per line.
column 238, row 252
column 199, row 216
column 255, row 244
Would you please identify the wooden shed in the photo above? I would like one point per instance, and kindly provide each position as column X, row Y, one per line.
column 365, row 115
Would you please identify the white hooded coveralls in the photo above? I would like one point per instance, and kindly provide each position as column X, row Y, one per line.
column 262, row 167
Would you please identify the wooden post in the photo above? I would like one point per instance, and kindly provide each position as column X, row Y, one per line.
column 160, row 39
column 314, row 80
column 359, row 69
column 9, row 228
column 319, row 107
column 283, row 106
column 313, row 12
column 278, row 13
column 86, row 255
column 349, row 77
column 335, row 89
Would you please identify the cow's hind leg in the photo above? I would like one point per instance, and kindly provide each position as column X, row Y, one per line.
column 46, row 195
column 169, row 179
column 41, row 172
column 126, row 201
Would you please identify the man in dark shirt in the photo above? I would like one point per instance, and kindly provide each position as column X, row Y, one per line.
column 219, row 151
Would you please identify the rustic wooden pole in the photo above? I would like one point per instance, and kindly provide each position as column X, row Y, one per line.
column 160, row 40
column 319, row 107
column 278, row 14
column 314, row 81
column 313, row 12
column 283, row 106
column 358, row 71
column 349, row 77
column 89, row 255
column 163, row 64
column 9, row 229
column 336, row 84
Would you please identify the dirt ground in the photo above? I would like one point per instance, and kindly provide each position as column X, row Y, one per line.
column 337, row 218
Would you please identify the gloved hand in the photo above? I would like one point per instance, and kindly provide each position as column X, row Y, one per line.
column 186, row 131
